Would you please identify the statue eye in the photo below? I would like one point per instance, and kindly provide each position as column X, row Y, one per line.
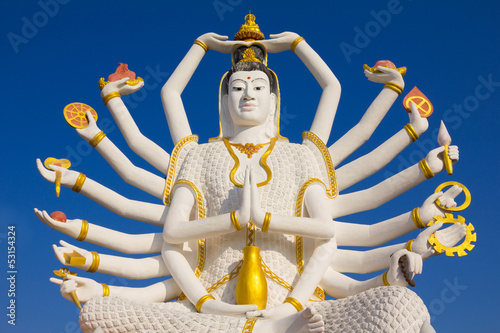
column 238, row 88
column 258, row 88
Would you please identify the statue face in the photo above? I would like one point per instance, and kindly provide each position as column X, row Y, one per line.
column 249, row 100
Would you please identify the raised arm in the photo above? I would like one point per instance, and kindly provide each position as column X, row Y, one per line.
column 140, row 144
column 374, row 161
column 92, row 233
column 172, row 90
column 360, row 133
column 132, row 209
column 86, row 289
column 133, row 175
column 388, row 189
column 328, row 103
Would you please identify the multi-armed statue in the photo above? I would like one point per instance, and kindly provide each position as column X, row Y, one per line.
column 248, row 235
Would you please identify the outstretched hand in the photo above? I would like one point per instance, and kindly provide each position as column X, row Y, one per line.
column 121, row 87
column 68, row 177
column 217, row 42
column 429, row 208
column 279, row 42
column 71, row 228
column 68, row 248
column 86, row 289
column 387, row 75
column 448, row 237
column 91, row 130
column 419, row 123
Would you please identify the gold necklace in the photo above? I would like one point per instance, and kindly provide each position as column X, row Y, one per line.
column 249, row 148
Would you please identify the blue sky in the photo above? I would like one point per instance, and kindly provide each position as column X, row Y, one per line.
column 54, row 52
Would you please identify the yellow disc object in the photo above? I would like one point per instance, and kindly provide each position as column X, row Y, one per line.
column 63, row 163
column 75, row 114
column 459, row 208
column 459, row 249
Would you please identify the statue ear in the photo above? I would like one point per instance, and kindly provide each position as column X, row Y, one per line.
column 273, row 105
column 224, row 110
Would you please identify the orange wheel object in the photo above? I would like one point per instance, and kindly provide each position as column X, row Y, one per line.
column 74, row 113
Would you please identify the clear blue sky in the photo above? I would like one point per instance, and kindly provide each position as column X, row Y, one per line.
column 53, row 54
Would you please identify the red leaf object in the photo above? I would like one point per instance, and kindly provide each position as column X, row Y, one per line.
column 121, row 72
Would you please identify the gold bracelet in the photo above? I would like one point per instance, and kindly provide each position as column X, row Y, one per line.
column 395, row 87
column 384, row 279
column 202, row 301
column 296, row 42
column 95, row 262
column 296, row 304
column 411, row 132
column 234, row 221
column 97, row 139
column 79, row 183
column 415, row 215
column 200, row 43
column 409, row 245
column 426, row 169
column 83, row 231
column 105, row 290
column 110, row 96
column 267, row 222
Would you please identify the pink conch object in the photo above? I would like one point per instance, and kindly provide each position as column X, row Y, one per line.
column 121, row 72
column 386, row 63
column 444, row 137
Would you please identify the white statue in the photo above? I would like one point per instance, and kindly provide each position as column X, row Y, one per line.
column 289, row 192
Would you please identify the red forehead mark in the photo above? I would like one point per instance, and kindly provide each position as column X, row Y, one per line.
column 249, row 77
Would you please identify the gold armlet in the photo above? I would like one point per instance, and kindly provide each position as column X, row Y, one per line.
column 416, row 219
column 267, row 222
column 105, row 290
column 409, row 245
column 95, row 262
column 295, row 43
column 426, row 169
column 395, row 87
column 79, row 183
column 384, row 279
column 234, row 221
column 203, row 45
column 411, row 132
column 110, row 96
column 83, row 231
column 202, row 301
column 296, row 304
column 97, row 139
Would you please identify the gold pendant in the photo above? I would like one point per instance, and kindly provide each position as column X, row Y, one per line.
column 249, row 148
column 251, row 287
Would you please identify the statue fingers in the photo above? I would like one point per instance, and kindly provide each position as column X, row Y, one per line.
column 47, row 174
column 56, row 281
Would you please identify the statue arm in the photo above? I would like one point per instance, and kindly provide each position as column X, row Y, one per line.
column 132, row 174
column 87, row 289
column 140, row 144
column 109, row 238
column 132, row 209
column 130, row 268
column 390, row 188
column 360, row 133
column 374, row 161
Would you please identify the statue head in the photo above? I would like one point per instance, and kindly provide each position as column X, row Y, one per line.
column 249, row 93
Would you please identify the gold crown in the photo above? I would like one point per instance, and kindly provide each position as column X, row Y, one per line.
column 250, row 30
column 249, row 56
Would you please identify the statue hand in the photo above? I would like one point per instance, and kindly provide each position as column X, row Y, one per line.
column 71, row 228
column 68, row 177
column 257, row 214
column 243, row 213
column 217, row 42
column 418, row 123
column 435, row 158
column 68, row 248
column 448, row 237
column 86, row 289
column 279, row 42
column 395, row 275
column 91, row 130
column 387, row 75
column 221, row 308
column 121, row 86
column 421, row 245
column 276, row 313
column 429, row 208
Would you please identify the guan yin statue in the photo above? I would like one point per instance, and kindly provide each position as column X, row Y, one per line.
column 249, row 221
